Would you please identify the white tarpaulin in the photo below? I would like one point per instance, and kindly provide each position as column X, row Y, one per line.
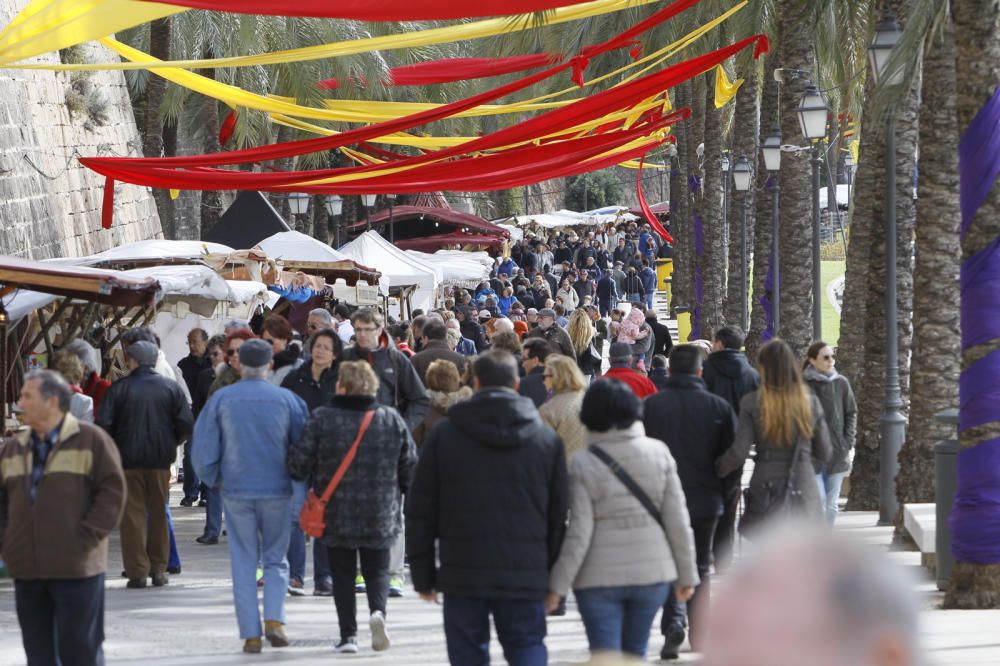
column 200, row 290
column 397, row 267
column 842, row 196
column 22, row 302
column 148, row 250
column 291, row 246
column 457, row 267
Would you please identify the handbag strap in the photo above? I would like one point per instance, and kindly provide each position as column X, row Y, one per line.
column 629, row 483
column 349, row 458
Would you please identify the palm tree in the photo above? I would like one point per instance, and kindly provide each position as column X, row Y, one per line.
column 714, row 259
column 936, row 354
column 763, row 209
column 975, row 580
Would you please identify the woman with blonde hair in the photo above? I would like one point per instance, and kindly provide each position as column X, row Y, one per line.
column 562, row 410
column 363, row 515
column 785, row 421
column 581, row 333
column 444, row 388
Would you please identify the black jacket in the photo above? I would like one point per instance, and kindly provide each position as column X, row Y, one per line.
column 315, row 393
column 364, row 509
column 399, row 385
column 199, row 396
column 633, row 285
column 728, row 375
column 490, row 492
column 533, row 386
column 191, row 367
column 148, row 417
column 662, row 342
column 558, row 337
column 698, row 427
column 436, row 350
column 472, row 330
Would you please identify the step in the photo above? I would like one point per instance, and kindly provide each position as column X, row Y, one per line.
column 920, row 520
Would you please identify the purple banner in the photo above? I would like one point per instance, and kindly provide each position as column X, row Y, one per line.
column 699, row 237
column 694, row 183
column 975, row 517
column 979, row 159
column 979, row 392
column 768, row 303
column 980, row 283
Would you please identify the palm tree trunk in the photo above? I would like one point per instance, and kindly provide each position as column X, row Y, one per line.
column 795, row 52
column 714, row 265
column 764, row 225
column 696, row 137
column 211, row 200
column 975, row 580
column 683, row 276
column 152, row 140
column 936, row 349
column 745, row 132
column 870, row 390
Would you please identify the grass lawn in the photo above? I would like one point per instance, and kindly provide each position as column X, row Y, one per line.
column 829, row 271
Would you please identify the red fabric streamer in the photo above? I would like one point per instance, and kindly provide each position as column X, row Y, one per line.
column 455, row 69
column 378, row 10
column 646, row 210
column 108, row 207
column 227, row 128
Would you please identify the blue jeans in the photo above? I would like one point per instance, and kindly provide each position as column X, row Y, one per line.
column 520, row 627
column 829, row 493
column 618, row 619
column 649, row 299
column 258, row 531
column 213, row 511
column 62, row 619
column 174, row 559
column 297, row 542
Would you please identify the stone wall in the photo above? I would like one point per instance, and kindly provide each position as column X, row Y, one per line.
column 50, row 206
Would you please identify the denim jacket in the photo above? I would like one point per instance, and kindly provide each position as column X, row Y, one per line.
column 242, row 438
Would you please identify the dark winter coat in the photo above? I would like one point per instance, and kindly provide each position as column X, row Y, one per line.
column 472, row 330
column 841, row 412
column 148, row 416
column 364, row 509
column 490, row 492
column 771, row 462
column 633, row 285
column 698, row 428
column 728, row 375
column 533, row 386
column 399, row 385
column 555, row 335
column 662, row 342
column 436, row 350
column 585, row 288
column 314, row 393
column 191, row 367
column 659, row 377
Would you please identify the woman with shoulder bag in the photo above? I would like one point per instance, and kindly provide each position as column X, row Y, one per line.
column 629, row 535
column 786, row 423
column 369, row 448
column 841, row 412
column 581, row 333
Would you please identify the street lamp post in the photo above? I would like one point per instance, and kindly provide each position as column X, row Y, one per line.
column 772, row 162
column 892, row 424
column 392, row 227
column 725, row 198
column 369, row 201
column 298, row 204
column 742, row 176
column 812, row 119
column 334, row 207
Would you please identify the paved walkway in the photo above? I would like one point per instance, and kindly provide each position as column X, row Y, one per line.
column 191, row 620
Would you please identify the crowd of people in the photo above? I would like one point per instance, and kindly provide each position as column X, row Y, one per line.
column 483, row 443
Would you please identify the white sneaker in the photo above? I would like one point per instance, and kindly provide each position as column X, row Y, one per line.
column 380, row 638
column 347, row 646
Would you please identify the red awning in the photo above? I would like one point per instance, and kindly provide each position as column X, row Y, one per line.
column 432, row 243
column 473, row 223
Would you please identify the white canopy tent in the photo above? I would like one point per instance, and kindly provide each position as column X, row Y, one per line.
column 148, row 250
column 457, row 267
column 842, row 196
column 292, row 246
column 397, row 267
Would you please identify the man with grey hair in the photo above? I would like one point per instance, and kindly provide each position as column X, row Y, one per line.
column 243, row 434
column 148, row 416
column 319, row 319
column 808, row 596
column 54, row 535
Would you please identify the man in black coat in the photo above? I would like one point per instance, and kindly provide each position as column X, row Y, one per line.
column 728, row 375
column 534, row 351
column 147, row 415
column 662, row 342
column 434, row 338
column 698, row 428
column 489, row 501
column 607, row 293
column 471, row 329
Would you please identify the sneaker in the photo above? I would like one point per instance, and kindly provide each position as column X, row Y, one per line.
column 359, row 584
column 395, row 587
column 324, row 588
column 296, row 588
column 160, row 579
column 202, row 503
column 207, row 540
column 260, row 577
column 187, row 501
column 380, row 638
column 347, row 645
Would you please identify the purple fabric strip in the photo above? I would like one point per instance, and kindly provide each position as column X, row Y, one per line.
column 694, row 182
column 979, row 159
column 979, row 392
column 975, row 516
column 699, row 236
column 980, row 284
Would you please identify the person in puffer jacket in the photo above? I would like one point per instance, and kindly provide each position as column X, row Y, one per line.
column 363, row 516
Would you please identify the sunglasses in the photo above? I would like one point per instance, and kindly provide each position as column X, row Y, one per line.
column 232, row 352
column 828, row 357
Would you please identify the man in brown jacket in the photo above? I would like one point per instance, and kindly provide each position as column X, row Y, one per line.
column 62, row 491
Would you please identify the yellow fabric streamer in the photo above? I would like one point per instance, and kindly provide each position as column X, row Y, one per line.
column 44, row 38
column 174, row 194
column 724, row 90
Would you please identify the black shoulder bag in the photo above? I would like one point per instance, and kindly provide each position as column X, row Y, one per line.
column 629, row 483
column 776, row 499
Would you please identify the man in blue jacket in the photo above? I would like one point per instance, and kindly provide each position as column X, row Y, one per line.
column 243, row 435
column 648, row 277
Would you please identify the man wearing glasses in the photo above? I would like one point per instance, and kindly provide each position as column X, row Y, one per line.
column 399, row 387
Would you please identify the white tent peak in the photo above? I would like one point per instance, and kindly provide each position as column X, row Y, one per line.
column 291, row 246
